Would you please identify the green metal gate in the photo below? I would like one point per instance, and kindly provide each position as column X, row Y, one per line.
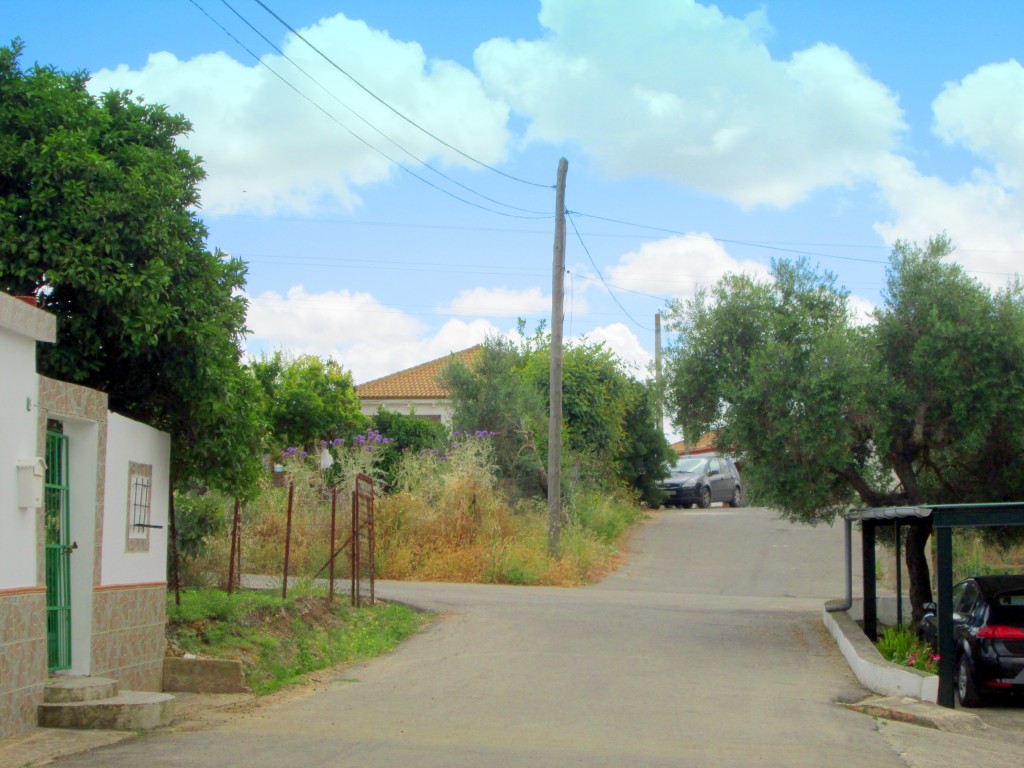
column 58, row 554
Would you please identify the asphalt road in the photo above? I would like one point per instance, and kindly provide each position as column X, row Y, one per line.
column 705, row 649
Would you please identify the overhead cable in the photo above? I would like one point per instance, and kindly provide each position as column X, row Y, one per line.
column 404, row 117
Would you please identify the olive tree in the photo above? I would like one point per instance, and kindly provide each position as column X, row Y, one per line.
column 919, row 406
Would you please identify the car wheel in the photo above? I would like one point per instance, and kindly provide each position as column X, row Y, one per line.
column 705, row 497
column 966, row 691
column 737, row 497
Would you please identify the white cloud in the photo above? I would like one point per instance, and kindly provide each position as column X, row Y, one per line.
column 676, row 266
column 681, row 92
column 985, row 112
column 266, row 148
column 984, row 219
column 861, row 310
column 365, row 336
column 500, row 302
column 984, row 213
column 624, row 343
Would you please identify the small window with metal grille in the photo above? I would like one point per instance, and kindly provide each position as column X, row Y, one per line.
column 140, row 485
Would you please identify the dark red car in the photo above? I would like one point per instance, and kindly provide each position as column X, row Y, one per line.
column 988, row 626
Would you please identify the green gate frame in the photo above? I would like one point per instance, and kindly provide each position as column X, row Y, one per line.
column 58, row 554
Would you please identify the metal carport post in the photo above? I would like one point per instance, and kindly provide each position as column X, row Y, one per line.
column 945, row 517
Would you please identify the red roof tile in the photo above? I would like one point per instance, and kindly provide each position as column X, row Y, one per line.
column 419, row 382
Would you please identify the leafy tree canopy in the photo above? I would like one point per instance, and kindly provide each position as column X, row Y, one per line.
column 919, row 406
column 610, row 426
column 307, row 399
column 97, row 221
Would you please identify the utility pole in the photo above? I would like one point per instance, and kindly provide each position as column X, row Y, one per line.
column 659, row 407
column 555, row 412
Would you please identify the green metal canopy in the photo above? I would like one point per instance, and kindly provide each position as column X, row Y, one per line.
column 944, row 518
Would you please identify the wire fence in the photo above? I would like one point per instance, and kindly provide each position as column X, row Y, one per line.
column 299, row 538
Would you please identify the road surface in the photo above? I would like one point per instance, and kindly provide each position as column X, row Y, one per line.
column 705, row 649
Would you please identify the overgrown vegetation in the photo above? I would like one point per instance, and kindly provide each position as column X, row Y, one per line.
column 279, row 641
column 447, row 518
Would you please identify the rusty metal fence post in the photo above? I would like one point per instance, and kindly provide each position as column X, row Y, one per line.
column 362, row 520
column 235, row 564
column 288, row 540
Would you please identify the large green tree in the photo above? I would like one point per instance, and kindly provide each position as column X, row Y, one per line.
column 307, row 399
column 98, row 222
column 917, row 407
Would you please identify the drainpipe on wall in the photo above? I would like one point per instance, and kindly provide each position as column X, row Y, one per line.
column 835, row 606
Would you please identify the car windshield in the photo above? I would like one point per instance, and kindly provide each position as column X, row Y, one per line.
column 689, row 465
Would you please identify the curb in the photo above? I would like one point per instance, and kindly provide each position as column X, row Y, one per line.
column 906, row 709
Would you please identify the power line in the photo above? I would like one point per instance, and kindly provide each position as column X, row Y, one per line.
column 407, row 119
column 608, row 287
column 364, row 120
column 359, row 138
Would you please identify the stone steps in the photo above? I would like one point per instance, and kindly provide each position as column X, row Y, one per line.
column 98, row 703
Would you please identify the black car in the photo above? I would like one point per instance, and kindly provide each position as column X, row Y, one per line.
column 701, row 480
column 988, row 626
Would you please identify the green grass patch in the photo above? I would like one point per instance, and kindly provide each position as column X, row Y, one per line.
column 278, row 641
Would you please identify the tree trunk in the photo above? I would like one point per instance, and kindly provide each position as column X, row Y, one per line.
column 917, row 568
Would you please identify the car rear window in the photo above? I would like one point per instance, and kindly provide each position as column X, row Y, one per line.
column 1008, row 608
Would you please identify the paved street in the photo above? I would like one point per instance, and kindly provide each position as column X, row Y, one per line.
column 705, row 649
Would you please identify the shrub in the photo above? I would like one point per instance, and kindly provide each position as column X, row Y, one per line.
column 901, row 645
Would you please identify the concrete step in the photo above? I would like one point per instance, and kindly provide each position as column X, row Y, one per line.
column 67, row 689
column 127, row 711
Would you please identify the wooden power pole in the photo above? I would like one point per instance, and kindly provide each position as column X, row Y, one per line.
column 659, row 399
column 555, row 412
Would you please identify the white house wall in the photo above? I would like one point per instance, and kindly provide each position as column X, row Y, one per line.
column 22, row 594
column 20, row 327
column 132, row 442
column 436, row 410
column 18, row 427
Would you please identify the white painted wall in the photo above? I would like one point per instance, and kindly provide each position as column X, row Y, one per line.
column 19, row 391
column 424, row 408
column 129, row 441
column 83, row 457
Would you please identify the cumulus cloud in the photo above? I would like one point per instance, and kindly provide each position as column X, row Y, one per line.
column 984, row 213
column 861, row 310
column 623, row 342
column 676, row 266
column 984, row 219
column 266, row 148
column 365, row 336
column 499, row 302
column 682, row 92
column 985, row 113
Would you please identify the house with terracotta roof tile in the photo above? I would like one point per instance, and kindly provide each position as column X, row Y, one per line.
column 704, row 444
column 415, row 390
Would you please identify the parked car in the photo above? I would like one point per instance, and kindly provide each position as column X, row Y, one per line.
column 988, row 627
column 701, row 480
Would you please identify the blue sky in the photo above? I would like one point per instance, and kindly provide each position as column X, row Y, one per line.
column 701, row 139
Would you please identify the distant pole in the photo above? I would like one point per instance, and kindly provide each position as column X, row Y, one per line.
column 555, row 414
column 659, row 407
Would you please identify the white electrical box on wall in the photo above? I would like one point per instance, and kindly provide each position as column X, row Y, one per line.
column 31, row 474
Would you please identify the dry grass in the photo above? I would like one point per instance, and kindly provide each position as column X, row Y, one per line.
column 448, row 521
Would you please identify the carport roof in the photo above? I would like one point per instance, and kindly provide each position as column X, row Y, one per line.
column 951, row 515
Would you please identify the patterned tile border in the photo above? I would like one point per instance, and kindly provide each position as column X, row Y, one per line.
column 129, row 634
column 22, row 658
